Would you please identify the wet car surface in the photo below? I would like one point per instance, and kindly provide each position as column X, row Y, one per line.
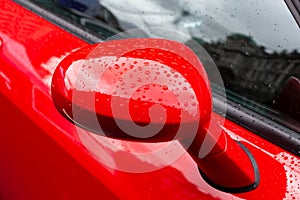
column 45, row 157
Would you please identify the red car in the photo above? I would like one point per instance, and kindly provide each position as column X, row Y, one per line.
column 217, row 82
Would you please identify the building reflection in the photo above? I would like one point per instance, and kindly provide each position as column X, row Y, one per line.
column 249, row 70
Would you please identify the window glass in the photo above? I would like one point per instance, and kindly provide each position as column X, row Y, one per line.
column 255, row 44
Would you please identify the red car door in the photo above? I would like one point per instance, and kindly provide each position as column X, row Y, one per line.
column 45, row 156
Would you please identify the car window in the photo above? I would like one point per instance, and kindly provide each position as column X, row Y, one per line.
column 255, row 44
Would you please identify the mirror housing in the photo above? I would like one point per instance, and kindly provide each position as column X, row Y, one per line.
column 151, row 90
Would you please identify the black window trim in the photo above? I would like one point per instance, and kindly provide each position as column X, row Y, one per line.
column 294, row 6
column 68, row 26
column 274, row 132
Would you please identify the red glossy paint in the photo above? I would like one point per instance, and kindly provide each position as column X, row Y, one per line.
column 103, row 80
column 43, row 156
column 96, row 73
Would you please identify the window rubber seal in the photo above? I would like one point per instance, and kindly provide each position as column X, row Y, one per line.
column 294, row 7
column 62, row 23
column 271, row 130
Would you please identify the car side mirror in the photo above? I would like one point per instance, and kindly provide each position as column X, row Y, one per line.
column 151, row 90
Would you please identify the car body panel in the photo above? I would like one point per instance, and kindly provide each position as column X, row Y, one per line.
column 44, row 156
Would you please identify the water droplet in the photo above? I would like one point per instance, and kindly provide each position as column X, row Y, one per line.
column 165, row 87
column 292, row 162
column 146, row 87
